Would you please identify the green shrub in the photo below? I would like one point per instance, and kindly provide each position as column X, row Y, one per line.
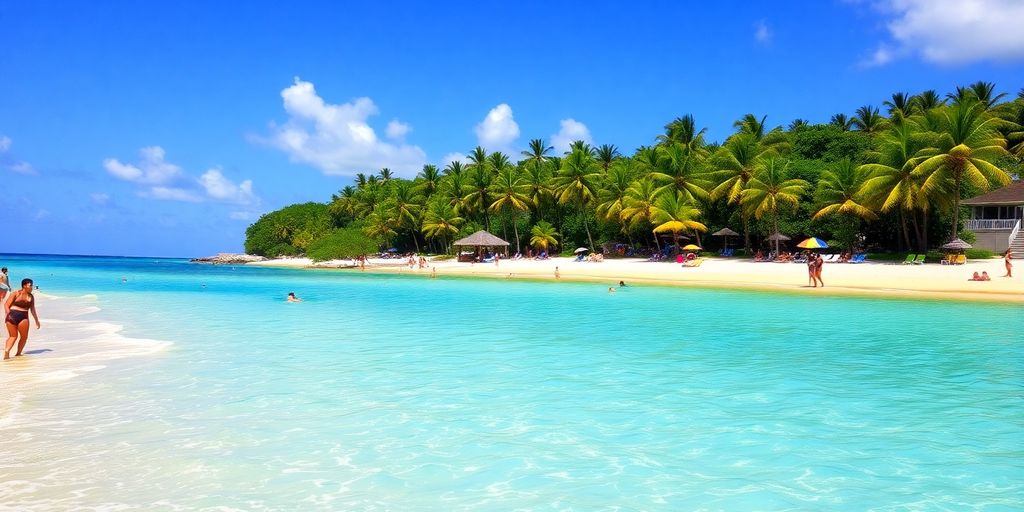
column 296, row 226
column 341, row 243
column 979, row 254
column 281, row 250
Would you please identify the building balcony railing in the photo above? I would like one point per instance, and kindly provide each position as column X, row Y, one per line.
column 990, row 224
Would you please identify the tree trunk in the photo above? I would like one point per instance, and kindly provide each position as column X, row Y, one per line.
column 746, row 233
column 515, row 227
column 956, row 209
column 415, row 241
column 924, row 231
column 775, row 227
column 918, row 236
column 905, row 237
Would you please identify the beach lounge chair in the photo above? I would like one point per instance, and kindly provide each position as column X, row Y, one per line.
column 859, row 258
column 910, row 259
column 920, row 259
column 960, row 259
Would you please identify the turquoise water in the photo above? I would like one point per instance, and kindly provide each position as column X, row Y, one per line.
column 405, row 393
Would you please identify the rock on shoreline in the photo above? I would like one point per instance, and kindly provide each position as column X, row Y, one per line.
column 229, row 258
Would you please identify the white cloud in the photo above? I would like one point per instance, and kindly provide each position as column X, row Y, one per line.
column 151, row 169
column 42, row 214
column 8, row 161
column 454, row 156
column 241, row 215
column 172, row 194
column 100, row 197
column 571, row 131
column 167, row 181
column 222, row 189
column 762, row 34
column 499, row 130
column 397, row 130
column 953, row 31
column 336, row 138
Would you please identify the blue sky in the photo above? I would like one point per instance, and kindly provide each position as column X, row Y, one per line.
column 166, row 128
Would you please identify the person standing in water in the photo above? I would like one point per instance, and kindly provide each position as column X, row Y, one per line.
column 17, row 308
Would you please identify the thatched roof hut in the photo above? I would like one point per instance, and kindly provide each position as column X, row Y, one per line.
column 481, row 239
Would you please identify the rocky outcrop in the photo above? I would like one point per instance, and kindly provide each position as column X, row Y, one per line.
column 229, row 258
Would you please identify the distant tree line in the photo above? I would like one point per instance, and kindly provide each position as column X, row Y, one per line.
column 891, row 180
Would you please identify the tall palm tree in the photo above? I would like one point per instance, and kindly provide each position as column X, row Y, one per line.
column 891, row 182
column 734, row 165
column 441, row 221
column 682, row 171
column 926, row 101
column 576, row 183
column 428, row 180
column 983, row 92
column 579, row 145
column 638, row 204
column 477, row 158
column 407, row 205
column 844, row 123
column 343, row 204
column 453, row 188
column 612, row 193
column 538, row 151
column 841, row 191
column 386, row 175
column 770, row 187
column 798, row 123
column 454, row 167
column 683, row 130
column 478, row 191
column 605, row 155
column 498, row 161
column 868, row 120
column 511, row 194
column 900, row 102
column 360, row 180
column 537, row 179
column 543, row 236
column 380, row 225
column 966, row 147
column 750, row 124
column 672, row 213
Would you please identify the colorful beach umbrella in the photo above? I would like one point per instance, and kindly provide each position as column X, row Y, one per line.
column 691, row 247
column 813, row 243
column 580, row 249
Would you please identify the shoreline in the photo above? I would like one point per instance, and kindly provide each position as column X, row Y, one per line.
column 870, row 279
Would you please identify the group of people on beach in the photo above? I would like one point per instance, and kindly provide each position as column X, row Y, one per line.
column 18, row 306
column 814, row 265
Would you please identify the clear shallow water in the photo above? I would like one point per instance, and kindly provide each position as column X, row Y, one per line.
column 398, row 393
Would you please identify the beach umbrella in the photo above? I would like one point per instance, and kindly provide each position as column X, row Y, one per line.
column 691, row 247
column 777, row 237
column 580, row 249
column 957, row 245
column 726, row 232
column 813, row 243
column 392, row 250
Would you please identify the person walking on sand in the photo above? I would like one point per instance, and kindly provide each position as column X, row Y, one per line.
column 558, row 275
column 5, row 284
column 812, row 266
column 17, row 307
column 819, row 262
column 1009, row 264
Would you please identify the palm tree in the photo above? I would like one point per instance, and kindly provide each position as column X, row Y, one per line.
column 498, row 161
column 638, row 205
column 771, row 187
column 985, row 92
column 734, row 165
column 380, row 225
column 612, row 194
column 536, row 178
column 477, row 158
column 672, row 213
column 798, row 123
column 386, row 175
column 343, row 204
column 926, row 101
column 441, row 221
column 579, row 145
column 576, row 183
column 682, row 171
column 454, row 187
column 841, row 191
column 478, row 188
column 606, row 154
column 750, row 124
column 967, row 145
column 454, row 167
column 429, row 180
column 683, row 130
column 867, row 119
column 844, row 123
column 407, row 205
column 543, row 236
column 900, row 102
column 360, row 180
column 891, row 182
column 511, row 194
column 538, row 151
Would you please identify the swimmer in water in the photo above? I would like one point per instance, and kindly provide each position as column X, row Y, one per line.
column 293, row 298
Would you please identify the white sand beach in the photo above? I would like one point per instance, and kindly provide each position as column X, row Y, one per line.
column 870, row 278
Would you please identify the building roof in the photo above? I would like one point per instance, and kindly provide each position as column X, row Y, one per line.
column 1010, row 195
column 482, row 239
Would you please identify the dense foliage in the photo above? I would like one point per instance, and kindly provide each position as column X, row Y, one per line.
column 340, row 244
column 890, row 181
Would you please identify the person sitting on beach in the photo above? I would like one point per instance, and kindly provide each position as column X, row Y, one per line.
column 622, row 284
column 293, row 298
column 976, row 277
column 759, row 255
column 984, row 276
column 17, row 307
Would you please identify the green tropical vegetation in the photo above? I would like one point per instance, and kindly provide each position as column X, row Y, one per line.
column 889, row 179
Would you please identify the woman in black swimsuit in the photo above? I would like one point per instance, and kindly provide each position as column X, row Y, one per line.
column 16, row 309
